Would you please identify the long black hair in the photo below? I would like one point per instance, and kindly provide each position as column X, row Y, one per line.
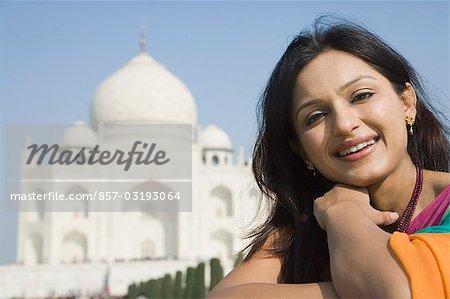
column 282, row 174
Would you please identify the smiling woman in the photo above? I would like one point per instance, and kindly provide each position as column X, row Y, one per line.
column 351, row 156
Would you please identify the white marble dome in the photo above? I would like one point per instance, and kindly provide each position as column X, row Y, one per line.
column 143, row 91
column 78, row 135
column 213, row 137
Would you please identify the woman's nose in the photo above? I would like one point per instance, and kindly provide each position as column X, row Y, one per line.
column 346, row 120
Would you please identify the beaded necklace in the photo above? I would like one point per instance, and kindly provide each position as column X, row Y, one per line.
column 409, row 212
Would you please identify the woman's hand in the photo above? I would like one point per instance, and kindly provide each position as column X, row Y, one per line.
column 342, row 200
column 361, row 263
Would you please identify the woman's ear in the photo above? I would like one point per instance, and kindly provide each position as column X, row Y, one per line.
column 409, row 101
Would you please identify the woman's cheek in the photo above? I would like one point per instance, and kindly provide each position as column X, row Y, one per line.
column 314, row 144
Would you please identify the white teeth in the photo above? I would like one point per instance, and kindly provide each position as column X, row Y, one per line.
column 361, row 145
column 357, row 147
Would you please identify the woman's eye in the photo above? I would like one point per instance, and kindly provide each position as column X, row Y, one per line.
column 313, row 118
column 362, row 96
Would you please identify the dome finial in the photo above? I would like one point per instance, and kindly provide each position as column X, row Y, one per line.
column 143, row 39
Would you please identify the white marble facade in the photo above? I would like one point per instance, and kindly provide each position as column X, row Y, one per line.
column 55, row 250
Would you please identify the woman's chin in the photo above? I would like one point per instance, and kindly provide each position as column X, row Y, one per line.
column 357, row 181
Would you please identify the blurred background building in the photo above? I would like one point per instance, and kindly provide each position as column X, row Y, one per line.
column 84, row 251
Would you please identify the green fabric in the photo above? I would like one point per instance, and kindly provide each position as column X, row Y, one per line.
column 443, row 227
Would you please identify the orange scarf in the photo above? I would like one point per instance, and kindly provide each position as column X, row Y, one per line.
column 425, row 257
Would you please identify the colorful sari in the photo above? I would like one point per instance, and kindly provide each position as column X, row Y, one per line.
column 424, row 250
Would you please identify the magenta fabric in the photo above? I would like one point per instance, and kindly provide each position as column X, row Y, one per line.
column 432, row 214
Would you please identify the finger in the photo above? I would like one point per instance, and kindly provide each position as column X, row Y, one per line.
column 383, row 218
column 388, row 218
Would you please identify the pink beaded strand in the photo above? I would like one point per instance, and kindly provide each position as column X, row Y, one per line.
column 409, row 212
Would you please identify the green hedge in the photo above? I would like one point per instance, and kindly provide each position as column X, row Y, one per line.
column 189, row 286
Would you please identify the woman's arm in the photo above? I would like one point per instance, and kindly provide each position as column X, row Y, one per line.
column 272, row 291
column 257, row 278
column 362, row 264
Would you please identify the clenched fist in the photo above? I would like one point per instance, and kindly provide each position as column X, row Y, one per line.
column 342, row 200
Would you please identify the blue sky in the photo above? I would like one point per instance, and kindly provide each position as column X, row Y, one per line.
column 55, row 54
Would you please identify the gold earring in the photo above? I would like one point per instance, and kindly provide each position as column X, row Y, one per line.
column 310, row 166
column 410, row 122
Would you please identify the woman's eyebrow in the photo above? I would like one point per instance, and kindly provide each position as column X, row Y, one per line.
column 346, row 85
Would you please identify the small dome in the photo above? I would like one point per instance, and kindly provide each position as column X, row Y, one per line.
column 212, row 137
column 143, row 91
column 78, row 135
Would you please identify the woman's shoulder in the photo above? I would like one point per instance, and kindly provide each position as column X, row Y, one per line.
column 438, row 180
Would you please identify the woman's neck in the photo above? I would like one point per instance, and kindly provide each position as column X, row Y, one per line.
column 394, row 192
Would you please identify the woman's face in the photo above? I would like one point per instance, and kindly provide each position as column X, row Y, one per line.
column 349, row 119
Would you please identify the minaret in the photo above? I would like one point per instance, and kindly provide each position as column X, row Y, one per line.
column 142, row 40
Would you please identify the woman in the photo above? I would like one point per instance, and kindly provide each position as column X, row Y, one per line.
column 345, row 134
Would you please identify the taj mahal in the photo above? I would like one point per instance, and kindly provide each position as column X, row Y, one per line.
column 86, row 251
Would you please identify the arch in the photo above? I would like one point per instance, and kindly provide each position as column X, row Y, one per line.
column 254, row 193
column 149, row 224
column 222, row 244
column 73, row 248
column 222, row 203
column 131, row 213
column 34, row 249
column 149, row 215
column 215, row 160
column 150, row 241
column 37, row 207
column 148, row 249
column 250, row 209
column 79, row 208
